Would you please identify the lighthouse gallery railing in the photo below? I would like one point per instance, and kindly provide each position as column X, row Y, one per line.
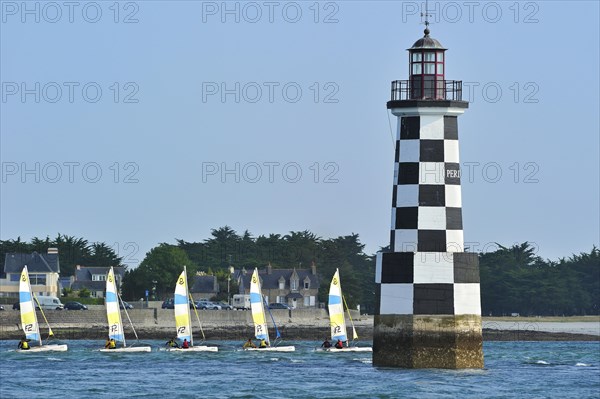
column 444, row 90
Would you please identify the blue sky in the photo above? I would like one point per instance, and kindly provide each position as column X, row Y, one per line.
column 136, row 123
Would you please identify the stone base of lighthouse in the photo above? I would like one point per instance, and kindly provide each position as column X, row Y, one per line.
column 428, row 341
column 428, row 313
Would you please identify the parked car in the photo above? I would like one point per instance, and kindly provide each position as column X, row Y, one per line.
column 127, row 305
column 207, row 305
column 279, row 306
column 168, row 304
column 225, row 306
column 75, row 306
column 48, row 302
column 17, row 306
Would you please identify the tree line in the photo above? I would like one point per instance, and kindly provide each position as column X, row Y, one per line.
column 513, row 279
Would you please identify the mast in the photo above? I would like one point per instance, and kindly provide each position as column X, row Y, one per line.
column 187, row 294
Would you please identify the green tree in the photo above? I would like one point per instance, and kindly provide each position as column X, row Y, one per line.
column 72, row 251
column 160, row 268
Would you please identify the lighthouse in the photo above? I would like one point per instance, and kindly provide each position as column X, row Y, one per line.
column 428, row 311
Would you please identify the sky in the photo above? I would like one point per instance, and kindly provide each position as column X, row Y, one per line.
column 140, row 122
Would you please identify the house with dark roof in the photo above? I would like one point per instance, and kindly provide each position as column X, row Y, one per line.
column 297, row 288
column 94, row 279
column 44, row 271
column 204, row 286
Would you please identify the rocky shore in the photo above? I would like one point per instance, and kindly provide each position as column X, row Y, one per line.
column 153, row 323
column 289, row 333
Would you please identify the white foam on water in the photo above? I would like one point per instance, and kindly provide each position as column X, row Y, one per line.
column 541, row 362
column 582, row 365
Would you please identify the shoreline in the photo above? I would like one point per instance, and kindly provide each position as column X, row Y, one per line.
column 289, row 334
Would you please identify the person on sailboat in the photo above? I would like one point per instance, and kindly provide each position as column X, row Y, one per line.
column 172, row 343
column 326, row 344
column 339, row 344
column 23, row 344
column 185, row 344
column 249, row 344
column 263, row 344
column 110, row 343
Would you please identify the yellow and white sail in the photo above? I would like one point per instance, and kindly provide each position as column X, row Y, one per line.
column 182, row 309
column 258, row 308
column 29, row 322
column 113, row 313
column 337, row 321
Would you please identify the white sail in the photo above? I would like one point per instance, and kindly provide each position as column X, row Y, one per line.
column 183, row 321
column 337, row 321
column 259, row 317
column 182, row 309
column 29, row 322
column 113, row 313
column 258, row 309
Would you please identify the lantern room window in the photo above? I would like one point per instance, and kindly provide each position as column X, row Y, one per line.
column 427, row 74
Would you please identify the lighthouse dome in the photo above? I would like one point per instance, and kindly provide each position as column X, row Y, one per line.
column 427, row 42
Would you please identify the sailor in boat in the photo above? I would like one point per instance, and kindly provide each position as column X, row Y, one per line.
column 339, row 344
column 326, row 344
column 23, row 344
column 110, row 343
column 263, row 344
column 249, row 344
column 185, row 344
column 172, row 343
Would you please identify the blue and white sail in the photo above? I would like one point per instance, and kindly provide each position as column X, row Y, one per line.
column 113, row 313
column 336, row 310
column 258, row 308
column 182, row 309
column 29, row 322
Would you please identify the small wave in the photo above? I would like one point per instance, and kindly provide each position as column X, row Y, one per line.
column 582, row 365
column 55, row 359
column 297, row 361
column 274, row 359
column 542, row 362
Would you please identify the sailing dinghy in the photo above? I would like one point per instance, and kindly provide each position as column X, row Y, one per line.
column 29, row 322
column 182, row 317
column 115, row 325
column 259, row 318
column 337, row 320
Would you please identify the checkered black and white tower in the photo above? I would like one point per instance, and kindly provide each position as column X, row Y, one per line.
column 429, row 312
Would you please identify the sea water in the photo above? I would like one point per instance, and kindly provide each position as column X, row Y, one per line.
column 512, row 370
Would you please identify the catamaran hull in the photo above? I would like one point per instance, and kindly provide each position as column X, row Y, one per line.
column 351, row 349
column 195, row 349
column 273, row 349
column 129, row 349
column 45, row 348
